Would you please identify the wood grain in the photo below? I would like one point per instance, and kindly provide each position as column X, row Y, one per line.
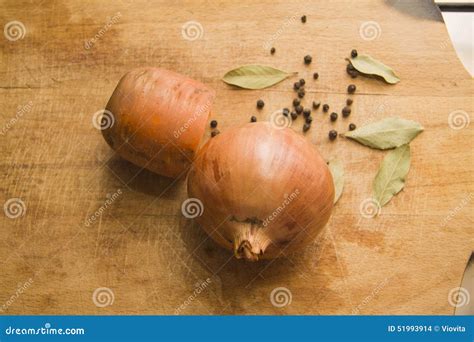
column 405, row 261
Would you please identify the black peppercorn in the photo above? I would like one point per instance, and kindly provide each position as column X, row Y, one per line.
column 214, row 133
column 309, row 119
column 333, row 116
column 306, row 127
column 294, row 115
column 351, row 71
column 303, row 19
column 213, row 124
column 325, row 107
column 315, row 76
column 351, row 89
column 307, row 59
column 296, row 85
column 302, row 82
column 352, row 127
column 306, row 112
column 299, row 109
column 260, row 104
column 253, row 119
column 346, row 111
column 296, row 102
column 286, row 111
column 332, row 134
column 301, row 93
column 316, row 104
column 354, row 53
column 349, row 102
column 272, row 50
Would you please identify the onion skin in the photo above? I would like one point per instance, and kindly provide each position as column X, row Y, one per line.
column 159, row 119
column 242, row 176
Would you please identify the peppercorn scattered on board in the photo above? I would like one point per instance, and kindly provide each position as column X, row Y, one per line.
column 79, row 218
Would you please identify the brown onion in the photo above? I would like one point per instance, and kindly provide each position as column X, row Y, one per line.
column 264, row 190
column 157, row 119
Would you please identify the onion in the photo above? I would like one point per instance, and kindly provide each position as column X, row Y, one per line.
column 157, row 119
column 265, row 191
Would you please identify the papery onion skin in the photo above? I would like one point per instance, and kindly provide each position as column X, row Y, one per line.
column 159, row 119
column 242, row 177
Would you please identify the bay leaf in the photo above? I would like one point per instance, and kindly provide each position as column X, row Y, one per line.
column 337, row 172
column 387, row 133
column 390, row 178
column 255, row 76
column 370, row 66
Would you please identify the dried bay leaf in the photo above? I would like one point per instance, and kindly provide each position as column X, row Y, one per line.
column 370, row 66
column 255, row 76
column 387, row 133
column 337, row 172
column 390, row 178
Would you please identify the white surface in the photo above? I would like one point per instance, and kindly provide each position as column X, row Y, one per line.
column 461, row 31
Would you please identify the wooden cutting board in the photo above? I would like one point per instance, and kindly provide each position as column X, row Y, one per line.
column 150, row 258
